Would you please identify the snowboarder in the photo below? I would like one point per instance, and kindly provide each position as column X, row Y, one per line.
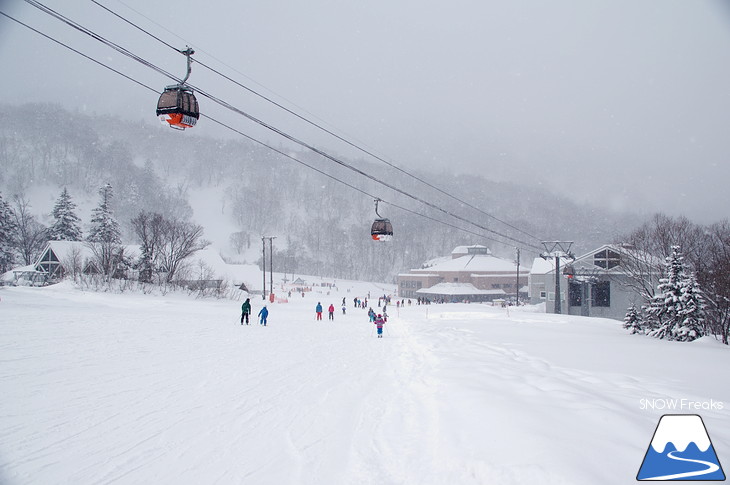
column 263, row 314
column 245, row 310
column 318, row 309
column 331, row 310
column 379, row 322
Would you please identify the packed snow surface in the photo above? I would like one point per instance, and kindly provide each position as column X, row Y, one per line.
column 101, row 388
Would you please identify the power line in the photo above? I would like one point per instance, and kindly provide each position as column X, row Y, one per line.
column 318, row 126
column 252, row 139
column 260, row 122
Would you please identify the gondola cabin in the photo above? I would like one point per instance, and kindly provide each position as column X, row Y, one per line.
column 382, row 230
column 178, row 107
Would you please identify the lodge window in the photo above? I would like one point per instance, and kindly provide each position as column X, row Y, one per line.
column 607, row 259
column 575, row 294
column 601, row 294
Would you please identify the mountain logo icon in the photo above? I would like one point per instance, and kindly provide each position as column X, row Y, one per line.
column 680, row 450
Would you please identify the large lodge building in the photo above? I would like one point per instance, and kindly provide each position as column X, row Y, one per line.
column 472, row 274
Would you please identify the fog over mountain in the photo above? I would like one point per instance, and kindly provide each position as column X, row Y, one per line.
column 239, row 191
column 614, row 103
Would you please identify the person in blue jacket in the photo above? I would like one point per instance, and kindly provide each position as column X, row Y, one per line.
column 318, row 310
column 263, row 314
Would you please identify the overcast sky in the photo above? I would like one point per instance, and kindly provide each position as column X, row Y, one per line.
column 623, row 103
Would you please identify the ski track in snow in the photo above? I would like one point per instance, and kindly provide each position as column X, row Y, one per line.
column 129, row 389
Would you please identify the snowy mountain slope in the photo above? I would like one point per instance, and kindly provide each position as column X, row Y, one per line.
column 234, row 188
column 102, row 388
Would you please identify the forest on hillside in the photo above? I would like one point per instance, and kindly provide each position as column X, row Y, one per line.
column 322, row 226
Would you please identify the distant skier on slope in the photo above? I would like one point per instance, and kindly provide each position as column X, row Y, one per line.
column 245, row 310
column 331, row 311
column 263, row 315
column 379, row 322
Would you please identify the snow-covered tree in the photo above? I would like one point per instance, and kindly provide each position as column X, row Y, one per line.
column 104, row 227
column 104, row 235
column 633, row 321
column 67, row 226
column 692, row 312
column 677, row 310
column 8, row 229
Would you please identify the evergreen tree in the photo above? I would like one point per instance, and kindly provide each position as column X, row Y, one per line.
column 677, row 310
column 104, row 234
column 67, row 226
column 633, row 321
column 8, row 229
column 692, row 312
column 104, row 227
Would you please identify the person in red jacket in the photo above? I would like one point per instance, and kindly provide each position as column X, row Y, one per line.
column 331, row 309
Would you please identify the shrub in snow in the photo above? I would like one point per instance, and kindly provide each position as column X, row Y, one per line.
column 633, row 321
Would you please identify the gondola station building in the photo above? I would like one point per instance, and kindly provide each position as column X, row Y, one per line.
column 472, row 273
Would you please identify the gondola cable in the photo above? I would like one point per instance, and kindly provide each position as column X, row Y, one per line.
column 266, row 125
column 318, row 126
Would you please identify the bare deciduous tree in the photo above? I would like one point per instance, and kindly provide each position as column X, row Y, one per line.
column 180, row 241
column 149, row 229
column 31, row 235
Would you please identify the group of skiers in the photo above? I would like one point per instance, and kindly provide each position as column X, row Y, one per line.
column 246, row 312
column 331, row 310
column 378, row 319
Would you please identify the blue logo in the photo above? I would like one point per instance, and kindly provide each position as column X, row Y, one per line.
column 681, row 450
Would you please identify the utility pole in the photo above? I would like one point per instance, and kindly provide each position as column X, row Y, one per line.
column 557, row 250
column 271, row 264
column 517, row 285
column 263, row 267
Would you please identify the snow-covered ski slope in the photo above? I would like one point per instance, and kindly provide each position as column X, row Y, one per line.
column 137, row 389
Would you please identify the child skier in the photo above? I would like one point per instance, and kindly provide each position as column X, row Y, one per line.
column 263, row 314
column 379, row 322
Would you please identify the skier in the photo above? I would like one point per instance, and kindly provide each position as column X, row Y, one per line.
column 331, row 309
column 379, row 322
column 245, row 310
column 263, row 314
column 318, row 309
